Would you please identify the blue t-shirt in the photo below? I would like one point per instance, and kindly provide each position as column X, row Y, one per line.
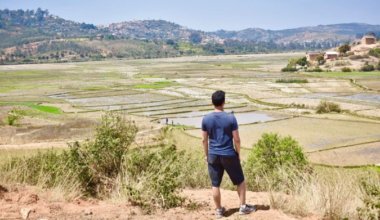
column 219, row 126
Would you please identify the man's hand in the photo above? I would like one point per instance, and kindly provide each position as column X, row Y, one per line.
column 206, row 159
column 236, row 138
column 205, row 143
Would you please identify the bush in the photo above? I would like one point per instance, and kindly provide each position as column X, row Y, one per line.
column 371, row 200
column 321, row 59
column 367, row 68
column 302, row 61
column 344, row 48
column 289, row 69
column 378, row 66
column 94, row 164
column 327, row 107
column 14, row 116
column 150, row 178
column 346, row 69
column 270, row 154
column 374, row 52
column 107, row 166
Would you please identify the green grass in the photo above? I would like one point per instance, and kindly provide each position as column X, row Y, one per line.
column 42, row 108
column 346, row 75
column 292, row 81
column 155, row 85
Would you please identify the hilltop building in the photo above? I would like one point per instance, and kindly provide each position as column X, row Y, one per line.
column 368, row 39
column 312, row 56
column 331, row 55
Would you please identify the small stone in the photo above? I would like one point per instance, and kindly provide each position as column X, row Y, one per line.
column 25, row 212
column 87, row 212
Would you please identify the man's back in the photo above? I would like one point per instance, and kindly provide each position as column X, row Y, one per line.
column 219, row 126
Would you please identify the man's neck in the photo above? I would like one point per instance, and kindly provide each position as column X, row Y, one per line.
column 219, row 109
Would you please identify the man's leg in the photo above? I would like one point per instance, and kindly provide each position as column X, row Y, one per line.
column 241, row 190
column 217, row 197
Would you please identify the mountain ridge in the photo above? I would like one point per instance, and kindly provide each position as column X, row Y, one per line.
column 38, row 36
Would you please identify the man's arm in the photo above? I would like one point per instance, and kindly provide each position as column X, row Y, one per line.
column 205, row 142
column 236, row 137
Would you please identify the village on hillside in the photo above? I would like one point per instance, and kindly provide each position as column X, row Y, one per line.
column 359, row 55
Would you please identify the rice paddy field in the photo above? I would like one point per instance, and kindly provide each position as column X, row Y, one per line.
column 61, row 103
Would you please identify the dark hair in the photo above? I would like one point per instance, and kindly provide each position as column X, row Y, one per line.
column 218, row 98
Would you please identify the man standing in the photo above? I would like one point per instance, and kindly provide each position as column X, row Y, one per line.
column 220, row 133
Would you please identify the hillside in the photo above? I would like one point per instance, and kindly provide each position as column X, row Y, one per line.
column 336, row 33
column 37, row 37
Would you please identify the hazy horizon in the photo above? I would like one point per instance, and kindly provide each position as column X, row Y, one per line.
column 211, row 15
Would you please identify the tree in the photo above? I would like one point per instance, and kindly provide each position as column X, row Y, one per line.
column 302, row 61
column 321, row 60
column 344, row 48
column 195, row 38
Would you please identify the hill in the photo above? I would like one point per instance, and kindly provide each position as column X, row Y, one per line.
column 30, row 36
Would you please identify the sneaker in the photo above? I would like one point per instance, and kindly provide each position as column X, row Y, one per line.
column 246, row 209
column 220, row 212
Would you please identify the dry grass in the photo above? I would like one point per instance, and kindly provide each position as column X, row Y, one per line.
column 329, row 193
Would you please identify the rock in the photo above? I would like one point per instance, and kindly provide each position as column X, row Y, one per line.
column 3, row 190
column 29, row 199
column 87, row 212
column 25, row 212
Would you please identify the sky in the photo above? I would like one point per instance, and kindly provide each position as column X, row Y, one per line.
column 211, row 15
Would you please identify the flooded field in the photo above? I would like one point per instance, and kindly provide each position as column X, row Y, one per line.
column 177, row 91
column 195, row 119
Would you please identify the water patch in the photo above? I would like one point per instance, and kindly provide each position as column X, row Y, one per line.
column 195, row 119
column 364, row 97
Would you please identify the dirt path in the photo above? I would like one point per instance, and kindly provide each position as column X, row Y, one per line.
column 45, row 205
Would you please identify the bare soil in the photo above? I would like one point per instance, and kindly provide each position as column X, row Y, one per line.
column 43, row 205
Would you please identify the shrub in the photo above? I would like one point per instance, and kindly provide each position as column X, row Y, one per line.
column 14, row 116
column 346, row 69
column 302, row 61
column 344, row 48
column 371, row 200
column 378, row 66
column 327, row 107
column 107, row 166
column 375, row 52
column 150, row 178
column 289, row 69
column 94, row 164
column 267, row 156
column 321, row 59
column 367, row 68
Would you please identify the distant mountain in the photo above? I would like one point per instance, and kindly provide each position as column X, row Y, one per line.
column 19, row 26
column 37, row 36
column 322, row 33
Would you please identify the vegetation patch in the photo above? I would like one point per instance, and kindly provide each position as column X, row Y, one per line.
column 292, row 81
column 105, row 166
column 375, row 52
column 42, row 108
column 155, row 85
column 271, row 153
column 327, row 107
